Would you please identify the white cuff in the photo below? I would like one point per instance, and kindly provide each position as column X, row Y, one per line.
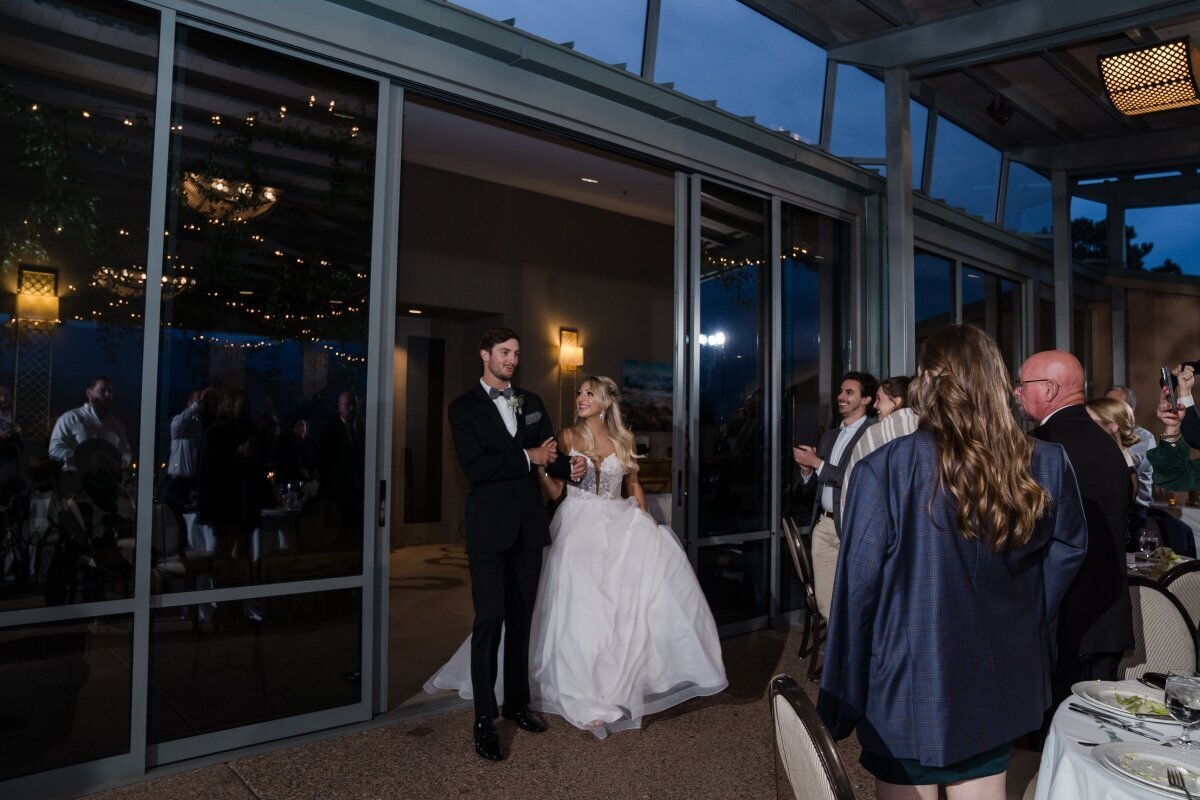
column 1187, row 401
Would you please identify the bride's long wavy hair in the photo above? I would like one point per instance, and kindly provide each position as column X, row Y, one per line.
column 962, row 395
column 605, row 392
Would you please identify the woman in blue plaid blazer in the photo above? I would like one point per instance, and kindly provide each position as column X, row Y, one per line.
column 958, row 544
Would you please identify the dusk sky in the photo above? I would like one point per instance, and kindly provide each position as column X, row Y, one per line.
column 1174, row 230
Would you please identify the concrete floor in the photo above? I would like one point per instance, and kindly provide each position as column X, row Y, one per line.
column 713, row 747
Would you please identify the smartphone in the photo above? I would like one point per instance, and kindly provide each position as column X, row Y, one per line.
column 1168, row 382
column 1157, row 680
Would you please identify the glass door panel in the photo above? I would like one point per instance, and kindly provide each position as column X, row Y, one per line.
column 261, row 432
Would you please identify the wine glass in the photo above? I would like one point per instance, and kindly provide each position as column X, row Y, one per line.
column 1147, row 541
column 1183, row 703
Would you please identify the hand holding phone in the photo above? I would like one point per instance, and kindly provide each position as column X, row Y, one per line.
column 1167, row 380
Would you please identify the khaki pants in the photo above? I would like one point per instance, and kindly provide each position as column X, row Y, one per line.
column 825, row 546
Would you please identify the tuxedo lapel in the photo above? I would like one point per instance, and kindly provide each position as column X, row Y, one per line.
column 519, row 413
column 492, row 411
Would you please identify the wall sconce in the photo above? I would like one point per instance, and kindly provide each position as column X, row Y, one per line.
column 37, row 295
column 1155, row 78
column 570, row 354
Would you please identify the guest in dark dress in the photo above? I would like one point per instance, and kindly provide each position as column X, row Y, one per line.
column 295, row 455
column 958, row 544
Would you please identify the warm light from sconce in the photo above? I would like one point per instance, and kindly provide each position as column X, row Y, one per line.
column 570, row 354
column 37, row 308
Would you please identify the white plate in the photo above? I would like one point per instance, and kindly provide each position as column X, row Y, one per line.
column 1146, row 764
column 1101, row 695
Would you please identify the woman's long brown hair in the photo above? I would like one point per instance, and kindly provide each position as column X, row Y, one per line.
column 962, row 395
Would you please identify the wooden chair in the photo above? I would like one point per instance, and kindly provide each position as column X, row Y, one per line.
column 814, row 622
column 811, row 762
column 1164, row 637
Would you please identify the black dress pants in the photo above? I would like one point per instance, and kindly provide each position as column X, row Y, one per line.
column 503, row 590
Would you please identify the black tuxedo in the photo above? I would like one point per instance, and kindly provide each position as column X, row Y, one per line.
column 506, row 531
column 1096, row 618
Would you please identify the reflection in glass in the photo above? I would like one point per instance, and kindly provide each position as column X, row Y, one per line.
column 859, row 125
column 813, row 249
column 723, row 50
column 260, row 435
column 732, row 370
column 966, row 171
column 612, row 31
column 222, row 665
column 934, row 291
column 77, row 92
column 64, row 693
column 736, row 579
column 1027, row 201
column 994, row 304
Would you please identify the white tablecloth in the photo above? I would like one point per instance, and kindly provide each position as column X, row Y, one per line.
column 1068, row 771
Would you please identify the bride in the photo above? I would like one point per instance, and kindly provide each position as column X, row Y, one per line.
column 620, row 628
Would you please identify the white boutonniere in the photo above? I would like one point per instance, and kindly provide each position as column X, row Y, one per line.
column 515, row 402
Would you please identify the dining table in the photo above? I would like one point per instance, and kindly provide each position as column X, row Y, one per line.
column 1080, row 751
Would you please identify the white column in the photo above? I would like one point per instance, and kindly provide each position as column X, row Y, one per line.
column 902, row 330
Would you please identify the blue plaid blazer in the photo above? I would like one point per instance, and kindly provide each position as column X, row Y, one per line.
column 939, row 648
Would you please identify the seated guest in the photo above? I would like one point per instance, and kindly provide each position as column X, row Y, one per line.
column 1185, row 374
column 1115, row 417
column 958, row 545
column 1145, row 443
column 93, row 420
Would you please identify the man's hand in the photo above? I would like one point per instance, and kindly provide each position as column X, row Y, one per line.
column 541, row 456
column 806, row 457
column 578, row 468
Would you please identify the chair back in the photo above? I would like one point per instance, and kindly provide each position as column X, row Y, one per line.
column 802, row 560
column 1164, row 637
column 811, row 762
column 1183, row 581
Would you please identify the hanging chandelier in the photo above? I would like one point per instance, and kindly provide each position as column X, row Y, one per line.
column 224, row 200
column 127, row 283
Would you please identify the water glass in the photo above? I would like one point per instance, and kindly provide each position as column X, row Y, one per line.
column 1147, row 541
column 1183, row 702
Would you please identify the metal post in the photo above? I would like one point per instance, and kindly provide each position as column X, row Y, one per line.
column 902, row 333
column 1063, row 279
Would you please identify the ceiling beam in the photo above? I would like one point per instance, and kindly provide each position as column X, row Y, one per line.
column 891, row 10
column 792, row 16
column 1147, row 193
column 1113, row 154
column 1004, row 30
column 993, row 81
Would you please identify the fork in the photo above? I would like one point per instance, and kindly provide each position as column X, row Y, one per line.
column 1176, row 780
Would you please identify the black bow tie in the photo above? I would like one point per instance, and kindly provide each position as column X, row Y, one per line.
column 494, row 393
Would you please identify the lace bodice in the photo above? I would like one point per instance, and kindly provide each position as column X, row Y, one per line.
column 607, row 484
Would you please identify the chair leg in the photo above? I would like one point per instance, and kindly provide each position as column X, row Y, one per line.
column 814, row 666
column 804, row 636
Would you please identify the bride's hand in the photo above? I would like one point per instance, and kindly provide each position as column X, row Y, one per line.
column 578, row 468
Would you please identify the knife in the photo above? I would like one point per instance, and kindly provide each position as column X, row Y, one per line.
column 1116, row 723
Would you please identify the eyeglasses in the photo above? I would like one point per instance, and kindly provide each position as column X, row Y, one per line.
column 1022, row 384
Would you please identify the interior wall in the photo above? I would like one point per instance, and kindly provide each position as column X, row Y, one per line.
column 540, row 264
column 1162, row 328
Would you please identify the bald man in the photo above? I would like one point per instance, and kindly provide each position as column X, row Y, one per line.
column 1095, row 623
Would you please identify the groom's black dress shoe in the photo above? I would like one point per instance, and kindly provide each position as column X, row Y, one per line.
column 526, row 719
column 487, row 741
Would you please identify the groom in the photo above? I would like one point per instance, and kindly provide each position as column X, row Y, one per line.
column 502, row 434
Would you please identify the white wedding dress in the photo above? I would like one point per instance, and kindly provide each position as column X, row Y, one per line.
column 620, row 628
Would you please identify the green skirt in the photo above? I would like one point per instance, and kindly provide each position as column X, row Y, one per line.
column 910, row 772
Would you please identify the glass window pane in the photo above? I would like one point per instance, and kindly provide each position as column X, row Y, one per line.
column 1027, row 201
column 65, row 689
column 736, row 579
column 966, row 171
column 733, row 317
column 260, row 431
column 935, row 294
column 1172, row 233
column 859, row 127
column 265, row 658
column 814, row 250
column 77, row 94
column 751, row 65
column 612, row 31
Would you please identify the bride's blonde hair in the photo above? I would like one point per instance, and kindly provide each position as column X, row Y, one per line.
column 605, row 391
